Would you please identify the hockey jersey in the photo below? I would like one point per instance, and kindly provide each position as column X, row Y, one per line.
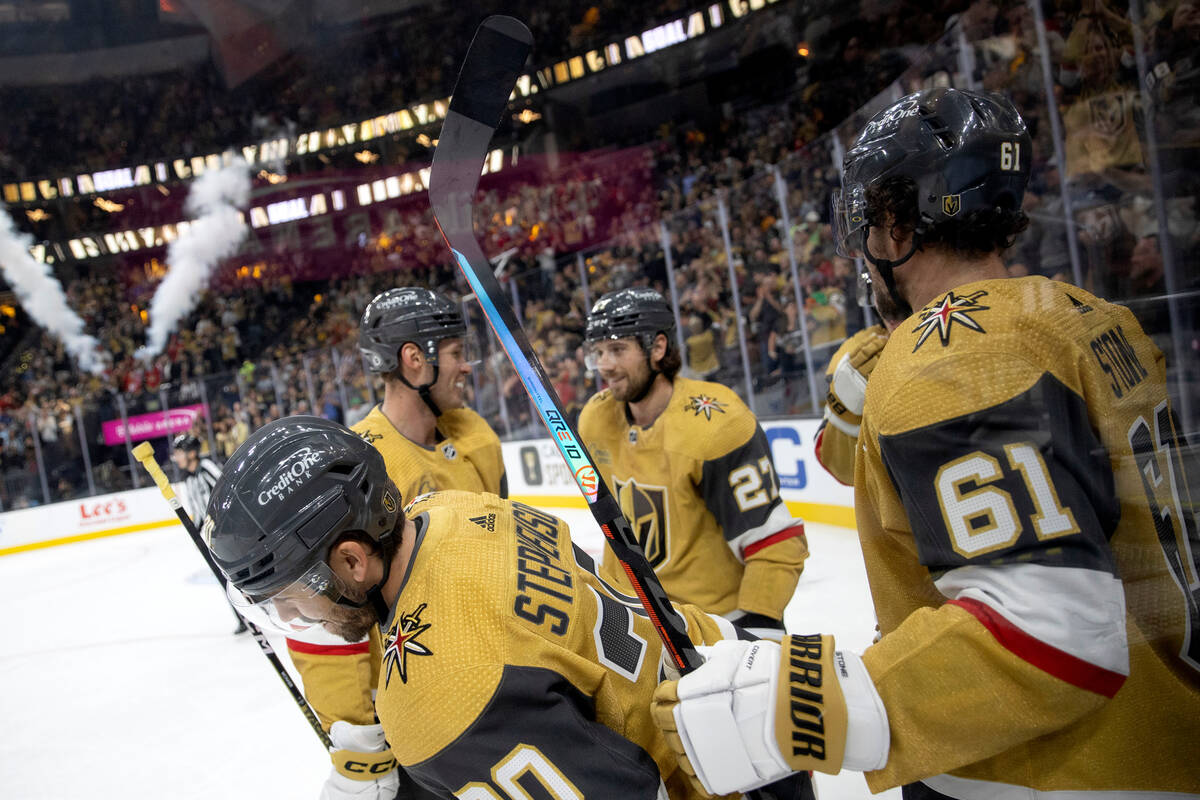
column 340, row 677
column 511, row 670
column 467, row 455
column 700, row 490
column 1031, row 544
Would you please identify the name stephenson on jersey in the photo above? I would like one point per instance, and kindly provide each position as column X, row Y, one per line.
column 1032, row 549
column 700, row 490
column 507, row 660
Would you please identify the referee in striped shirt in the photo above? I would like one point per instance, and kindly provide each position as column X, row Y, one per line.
column 199, row 477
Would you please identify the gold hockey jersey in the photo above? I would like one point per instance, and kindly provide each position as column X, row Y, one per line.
column 700, row 490
column 511, row 670
column 467, row 455
column 1030, row 539
column 340, row 677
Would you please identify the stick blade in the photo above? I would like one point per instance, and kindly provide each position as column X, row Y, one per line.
column 494, row 61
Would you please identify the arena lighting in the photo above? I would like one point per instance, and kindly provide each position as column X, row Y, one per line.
column 314, row 204
column 104, row 204
column 686, row 27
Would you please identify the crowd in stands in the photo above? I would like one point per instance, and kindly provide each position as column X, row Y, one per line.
column 283, row 342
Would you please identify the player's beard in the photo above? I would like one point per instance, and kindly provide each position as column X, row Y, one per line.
column 634, row 385
column 886, row 306
column 352, row 624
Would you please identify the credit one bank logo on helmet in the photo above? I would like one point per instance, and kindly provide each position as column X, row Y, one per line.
column 296, row 471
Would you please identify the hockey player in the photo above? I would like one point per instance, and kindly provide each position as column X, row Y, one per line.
column 510, row 669
column 691, row 468
column 199, row 476
column 417, row 339
column 1024, row 512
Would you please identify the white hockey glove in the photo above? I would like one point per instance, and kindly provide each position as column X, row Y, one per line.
column 848, row 383
column 363, row 767
column 735, row 728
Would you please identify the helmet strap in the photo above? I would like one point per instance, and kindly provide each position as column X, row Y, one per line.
column 423, row 391
column 887, row 266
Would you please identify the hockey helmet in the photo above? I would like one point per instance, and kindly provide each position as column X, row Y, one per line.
column 405, row 315
column 636, row 311
column 288, row 492
column 186, row 442
column 964, row 150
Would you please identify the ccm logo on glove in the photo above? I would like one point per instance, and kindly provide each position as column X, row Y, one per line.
column 375, row 769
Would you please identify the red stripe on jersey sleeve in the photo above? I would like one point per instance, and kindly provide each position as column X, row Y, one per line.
column 1045, row 657
column 358, row 648
column 774, row 538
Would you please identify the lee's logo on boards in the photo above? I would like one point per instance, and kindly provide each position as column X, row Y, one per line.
column 96, row 512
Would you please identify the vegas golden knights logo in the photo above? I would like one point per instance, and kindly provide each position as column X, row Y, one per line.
column 646, row 509
column 951, row 204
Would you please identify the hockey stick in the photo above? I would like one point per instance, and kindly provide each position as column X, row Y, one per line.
column 489, row 73
column 144, row 453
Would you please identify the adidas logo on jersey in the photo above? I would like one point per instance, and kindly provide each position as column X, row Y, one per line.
column 486, row 521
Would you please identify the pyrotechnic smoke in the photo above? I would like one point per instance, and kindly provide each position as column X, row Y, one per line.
column 213, row 235
column 42, row 296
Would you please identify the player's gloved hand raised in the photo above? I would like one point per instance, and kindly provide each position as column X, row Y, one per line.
column 363, row 767
column 848, row 384
column 757, row 711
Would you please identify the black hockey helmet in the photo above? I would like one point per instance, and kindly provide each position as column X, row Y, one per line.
column 287, row 493
column 411, row 314
column 186, row 442
column 964, row 151
column 636, row 311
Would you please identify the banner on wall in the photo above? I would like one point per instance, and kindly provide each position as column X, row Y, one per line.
column 151, row 426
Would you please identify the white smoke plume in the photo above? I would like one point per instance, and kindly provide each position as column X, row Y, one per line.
column 42, row 296
column 215, row 233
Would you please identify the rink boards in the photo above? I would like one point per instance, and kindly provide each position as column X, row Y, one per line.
column 536, row 475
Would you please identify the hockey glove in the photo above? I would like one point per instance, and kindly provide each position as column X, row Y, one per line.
column 848, row 383
column 363, row 767
column 759, row 625
column 755, row 712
